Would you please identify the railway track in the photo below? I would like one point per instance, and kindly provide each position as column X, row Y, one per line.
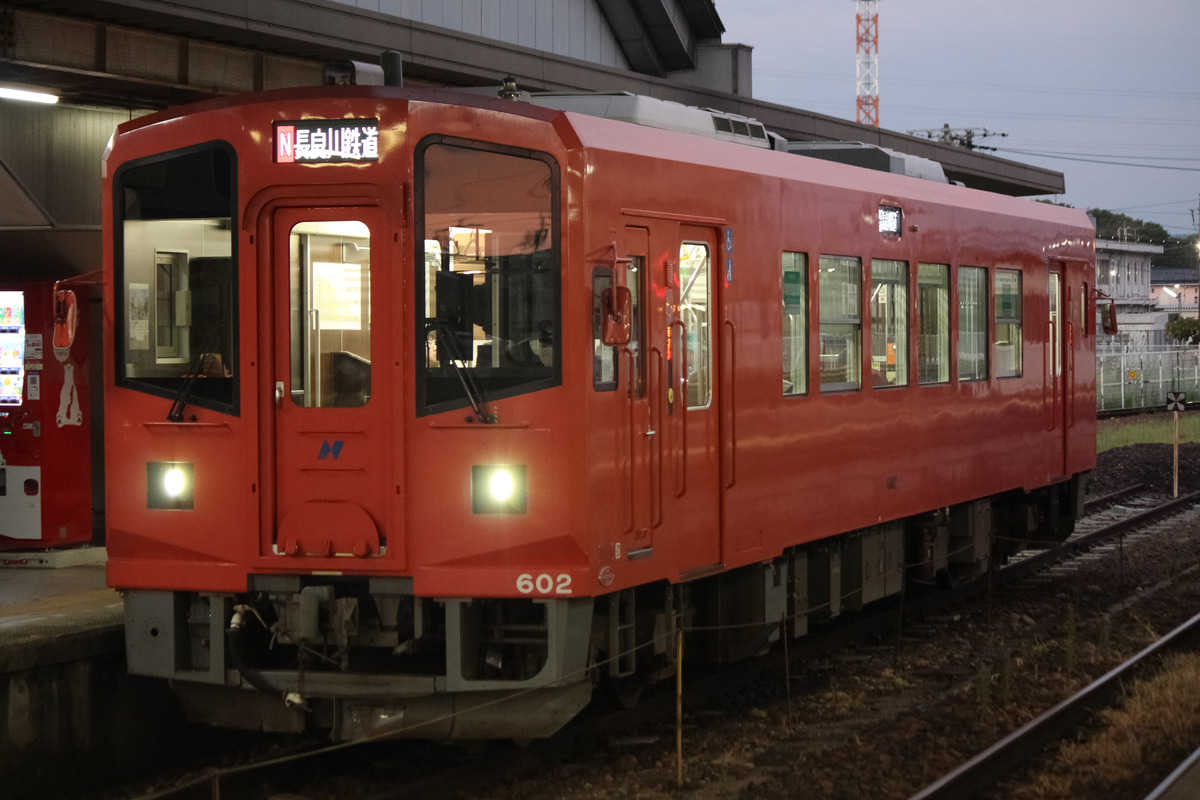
column 1016, row 750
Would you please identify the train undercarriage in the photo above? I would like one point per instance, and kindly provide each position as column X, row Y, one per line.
column 363, row 657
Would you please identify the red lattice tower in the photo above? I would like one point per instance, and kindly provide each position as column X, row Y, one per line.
column 868, row 61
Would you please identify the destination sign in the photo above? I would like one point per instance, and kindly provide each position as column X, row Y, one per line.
column 323, row 141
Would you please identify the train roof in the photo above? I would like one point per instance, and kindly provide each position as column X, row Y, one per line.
column 621, row 122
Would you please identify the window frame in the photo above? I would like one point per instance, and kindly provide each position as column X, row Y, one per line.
column 900, row 352
column 941, row 360
column 827, row 325
column 793, row 320
column 121, row 287
column 423, row 406
column 1012, row 321
column 985, row 306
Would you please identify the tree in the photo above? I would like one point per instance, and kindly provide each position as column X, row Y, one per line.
column 1185, row 330
column 1179, row 252
column 1120, row 227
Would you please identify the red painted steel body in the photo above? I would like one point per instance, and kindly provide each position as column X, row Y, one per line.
column 698, row 491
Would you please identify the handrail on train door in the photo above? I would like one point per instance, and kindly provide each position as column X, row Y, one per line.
column 728, row 383
column 630, row 440
column 654, row 408
column 1069, row 377
column 682, row 456
column 1049, row 380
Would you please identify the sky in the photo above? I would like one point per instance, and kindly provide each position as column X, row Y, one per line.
column 1106, row 92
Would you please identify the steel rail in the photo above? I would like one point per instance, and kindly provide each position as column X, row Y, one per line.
column 1088, row 540
column 1003, row 758
column 1095, row 504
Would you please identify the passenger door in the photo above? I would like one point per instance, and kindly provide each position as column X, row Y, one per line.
column 331, row 399
column 1072, row 370
column 691, row 320
column 642, row 363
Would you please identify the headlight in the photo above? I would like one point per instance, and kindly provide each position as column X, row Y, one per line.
column 499, row 489
column 169, row 485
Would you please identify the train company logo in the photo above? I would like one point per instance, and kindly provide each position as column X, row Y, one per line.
column 321, row 141
column 328, row 450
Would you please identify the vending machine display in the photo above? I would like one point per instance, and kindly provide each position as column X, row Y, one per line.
column 12, row 348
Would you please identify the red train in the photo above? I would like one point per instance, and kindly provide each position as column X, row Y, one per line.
column 428, row 411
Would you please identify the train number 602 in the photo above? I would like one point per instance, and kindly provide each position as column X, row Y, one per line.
column 543, row 584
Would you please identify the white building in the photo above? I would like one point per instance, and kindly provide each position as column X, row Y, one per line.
column 1123, row 273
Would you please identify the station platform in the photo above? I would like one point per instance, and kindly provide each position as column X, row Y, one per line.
column 55, row 607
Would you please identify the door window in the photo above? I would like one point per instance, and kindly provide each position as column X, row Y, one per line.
column 694, row 312
column 795, row 324
column 330, row 294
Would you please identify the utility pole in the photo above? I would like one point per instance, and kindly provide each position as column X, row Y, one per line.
column 867, row 48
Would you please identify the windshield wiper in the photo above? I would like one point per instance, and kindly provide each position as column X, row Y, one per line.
column 175, row 414
column 479, row 404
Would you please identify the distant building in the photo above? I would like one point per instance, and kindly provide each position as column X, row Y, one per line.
column 1175, row 290
column 1123, row 273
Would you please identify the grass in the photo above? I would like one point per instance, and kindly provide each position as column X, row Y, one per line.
column 1155, row 726
column 1146, row 429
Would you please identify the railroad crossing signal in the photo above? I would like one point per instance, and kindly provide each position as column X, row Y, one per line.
column 1176, row 401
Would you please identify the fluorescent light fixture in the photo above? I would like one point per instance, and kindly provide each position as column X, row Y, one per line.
column 1168, row 291
column 29, row 95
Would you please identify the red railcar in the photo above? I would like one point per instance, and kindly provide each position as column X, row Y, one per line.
column 422, row 400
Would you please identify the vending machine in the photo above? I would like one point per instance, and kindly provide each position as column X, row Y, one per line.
column 45, row 437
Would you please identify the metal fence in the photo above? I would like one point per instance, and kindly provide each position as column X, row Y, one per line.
column 1128, row 378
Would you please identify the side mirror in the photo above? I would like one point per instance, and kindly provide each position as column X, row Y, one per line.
column 65, row 319
column 616, row 315
column 1108, row 315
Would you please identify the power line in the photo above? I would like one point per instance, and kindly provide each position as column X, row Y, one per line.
column 1154, row 205
column 1074, row 92
column 1097, row 160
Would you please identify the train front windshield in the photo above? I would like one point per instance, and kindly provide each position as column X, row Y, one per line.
column 175, row 277
column 488, row 273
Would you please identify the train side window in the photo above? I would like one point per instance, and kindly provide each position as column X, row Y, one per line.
column 1009, row 362
column 795, row 324
column 839, row 293
column 604, row 358
column 889, row 323
column 175, row 265
column 972, row 324
column 933, row 334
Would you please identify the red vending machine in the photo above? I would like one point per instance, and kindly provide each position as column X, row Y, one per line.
column 45, row 437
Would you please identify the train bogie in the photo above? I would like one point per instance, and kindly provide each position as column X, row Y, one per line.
column 427, row 412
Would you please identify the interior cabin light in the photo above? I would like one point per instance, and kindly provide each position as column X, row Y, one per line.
column 498, row 489
column 169, row 485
